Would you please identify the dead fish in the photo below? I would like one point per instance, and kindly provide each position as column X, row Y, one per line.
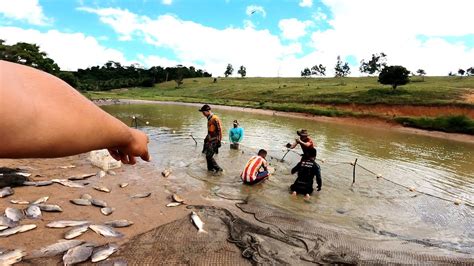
column 67, row 166
column 103, row 252
column 166, row 173
column 14, row 214
column 122, row 185
column 50, row 208
column 33, row 212
column 18, row 229
column 66, row 223
column 114, row 262
column 4, row 221
column 81, row 177
column 82, row 202
column 11, row 257
column 40, row 200
column 3, row 227
column 78, row 254
column 173, row 204
column 75, row 232
column 141, row 195
column 99, row 203
column 56, row 248
column 67, row 183
column 101, row 174
column 6, row 191
column 23, row 174
column 110, row 172
column 86, row 196
column 29, row 183
column 43, row 183
column 119, row 223
column 102, row 188
column 105, row 230
column 177, row 198
column 107, row 211
column 198, row 222
column 20, row 202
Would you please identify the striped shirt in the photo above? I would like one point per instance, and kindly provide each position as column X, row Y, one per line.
column 251, row 168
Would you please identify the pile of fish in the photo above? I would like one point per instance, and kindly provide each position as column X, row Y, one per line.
column 177, row 200
column 87, row 200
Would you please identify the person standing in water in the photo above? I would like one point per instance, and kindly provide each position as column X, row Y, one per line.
column 236, row 134
column 307, row 168
column 304, row 141
column 213, row 139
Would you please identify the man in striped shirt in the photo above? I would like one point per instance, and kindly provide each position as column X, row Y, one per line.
column 256, row 169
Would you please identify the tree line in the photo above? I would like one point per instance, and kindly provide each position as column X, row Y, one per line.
column 111, row 75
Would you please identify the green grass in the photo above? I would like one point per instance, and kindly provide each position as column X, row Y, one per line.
column 458, row 124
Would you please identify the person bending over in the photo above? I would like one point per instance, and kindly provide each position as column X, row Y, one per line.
column 307, row 169
column 256, row 169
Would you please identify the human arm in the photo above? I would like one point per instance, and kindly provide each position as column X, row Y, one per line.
column 296, row 168
column 241, row 134
column 43, row 117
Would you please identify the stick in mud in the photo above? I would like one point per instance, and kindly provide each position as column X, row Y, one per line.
column 354, row 172
column 191, row 135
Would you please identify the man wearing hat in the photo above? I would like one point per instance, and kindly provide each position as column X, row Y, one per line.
column 236, row 134
column 212, row 142
column 304, row 141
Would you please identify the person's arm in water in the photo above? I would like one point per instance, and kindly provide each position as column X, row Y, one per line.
column 241, row 134
column 296, row 168
column 43, row 117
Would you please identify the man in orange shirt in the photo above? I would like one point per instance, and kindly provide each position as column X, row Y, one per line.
column 304, row 141
column 212, row 142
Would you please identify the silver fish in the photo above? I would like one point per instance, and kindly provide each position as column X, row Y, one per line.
column 67, row 166
column 67, row 183
column 43, row 183
column 17, row 229
column 101, row 173
column 166, row 172
column 40, row 200
column 86, row 196
column 141, row 195
column 56, row 248
column 110, row 172
column 29, row 183
column 177, row 198
column 33, row 212
column 81, row 177
column 78, row 254
column 173, row 204
column 103, row 252
column 66, row 223
column 3, row 227
column 99, row 203
column 21, row 202
column 4, row 221
column 102, row 188
column 82, row 202
column 11, row 257
column 50, row 208
column 107, row 211
column 14, row 214
column 122, row 185
column 105, row 230
column 198, row 222
column 119, row 223
column 75, row 232
column 6, row 191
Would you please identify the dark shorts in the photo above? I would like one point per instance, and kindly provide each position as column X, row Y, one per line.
column 260, row 177
column 301, row 189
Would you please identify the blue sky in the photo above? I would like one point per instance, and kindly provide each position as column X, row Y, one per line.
column 269, row 37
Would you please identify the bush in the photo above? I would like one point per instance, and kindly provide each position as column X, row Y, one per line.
column 453, row 124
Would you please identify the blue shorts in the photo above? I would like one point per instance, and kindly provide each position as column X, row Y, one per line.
column 260, row 177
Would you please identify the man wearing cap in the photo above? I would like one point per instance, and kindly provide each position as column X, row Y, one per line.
column 212, row 142
column 304, row 141
column 236, row 134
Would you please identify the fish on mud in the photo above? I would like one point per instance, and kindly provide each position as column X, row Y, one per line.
column 99, row 203
column 66, row 223
column 67, row 183
column 122, row 185
column 40, row 200
column 101, row 174
column 107, row 210
column 119, row 223
column 81, row 202
column 20, row 202
column 102, row 188
column 198, row 222
column 33, row 212
column 173, row 204
column 56, row 248
column 6, row 191
column 67, row 166
column 166, row 172
column 11, row 257
column 86, row 196
column 50, row 208
column 14, row 214
column 38, row 183
column 4, row 221
column 75, row 232
column 110, row 172
column 177, row 198
column 78, row 254
column 103, row 252
column 105, row 230
column 141, row 195
column 18, row 229
column 81, row 177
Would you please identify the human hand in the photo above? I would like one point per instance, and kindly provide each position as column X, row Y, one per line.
column 136, row 147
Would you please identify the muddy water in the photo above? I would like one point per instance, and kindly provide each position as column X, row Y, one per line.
column 370, row 208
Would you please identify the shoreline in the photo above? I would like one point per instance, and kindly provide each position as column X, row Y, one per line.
column 360, row 122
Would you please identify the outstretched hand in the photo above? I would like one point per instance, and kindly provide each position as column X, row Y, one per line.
column 136, row 147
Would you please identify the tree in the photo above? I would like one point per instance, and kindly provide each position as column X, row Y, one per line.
column 318, row 70
column 242, row 71
column 461, row 72
column 470, row 71
column 421, row 73
column 28, row 54
column 229, row 70
column 306, row 73
column 374, row 65
column 341, row 69
column 69, row 78
column 394, row 75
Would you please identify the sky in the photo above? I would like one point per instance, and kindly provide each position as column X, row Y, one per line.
column 269, row 37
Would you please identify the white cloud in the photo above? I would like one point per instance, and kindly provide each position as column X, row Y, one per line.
column 253, row 9
column 293, row 29
column 69, row 50
column 167, row 2
column 320, row 15
column 306, row 3
column 25, row 10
